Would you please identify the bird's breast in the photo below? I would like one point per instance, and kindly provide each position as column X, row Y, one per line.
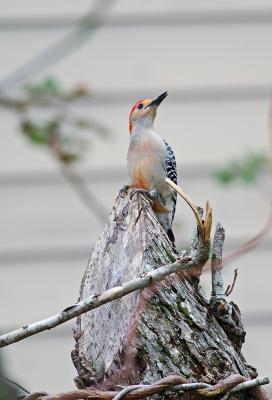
column 146, row 162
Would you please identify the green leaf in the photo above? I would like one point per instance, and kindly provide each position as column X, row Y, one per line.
column 50, row 86
column 47, row 87
column 224, row 176
column 246, row 170
column 39, row 133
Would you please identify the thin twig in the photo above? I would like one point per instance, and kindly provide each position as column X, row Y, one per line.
column 127, row 390
column 265, row 230
column 95, row 301
column 190, row 386
column 207, row 223
column 251, row 244
column 171, row 383
column 216, row 264
column 34, row 396
column 203, row 226
column 230, row 287
column 188, row 200
column 250, row 384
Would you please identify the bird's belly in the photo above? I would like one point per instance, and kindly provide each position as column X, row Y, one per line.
column 146, row 172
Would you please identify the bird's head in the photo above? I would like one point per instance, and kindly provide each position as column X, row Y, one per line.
column 144, row 111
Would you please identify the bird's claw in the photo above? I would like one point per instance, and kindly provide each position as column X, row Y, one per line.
column 149, row 195
column 138, row 190
column 123, row 191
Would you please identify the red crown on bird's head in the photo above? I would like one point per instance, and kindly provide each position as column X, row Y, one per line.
column 132, row 110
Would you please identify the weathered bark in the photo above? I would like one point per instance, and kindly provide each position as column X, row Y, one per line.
column 168, row 329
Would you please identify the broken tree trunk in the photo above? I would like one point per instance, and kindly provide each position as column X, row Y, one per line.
column 169, row 328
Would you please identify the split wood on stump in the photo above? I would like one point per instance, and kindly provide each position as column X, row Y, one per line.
column 169, row 328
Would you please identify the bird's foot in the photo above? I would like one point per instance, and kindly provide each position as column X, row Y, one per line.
column 151, row 196
column 123, row 191
column 142, row 191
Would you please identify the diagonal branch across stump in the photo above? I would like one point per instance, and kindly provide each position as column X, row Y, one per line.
column 148, row 335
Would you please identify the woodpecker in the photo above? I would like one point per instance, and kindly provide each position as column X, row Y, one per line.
column 150, row 160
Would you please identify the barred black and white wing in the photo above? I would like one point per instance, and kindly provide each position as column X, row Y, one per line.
column 171, row 173
column 171, row 165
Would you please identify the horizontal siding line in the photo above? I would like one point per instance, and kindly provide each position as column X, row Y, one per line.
column 29, row 178
column 128, row 20
column 81, row 253
column 37, row 255
column 100, row 176
column 205, row 94
column 226, row 93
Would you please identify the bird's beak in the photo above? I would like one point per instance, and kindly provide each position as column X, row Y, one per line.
column 155, row 103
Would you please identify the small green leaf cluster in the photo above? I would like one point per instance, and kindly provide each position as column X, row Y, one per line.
column 66, row 147
column 65, row 133
column 47, row 87
column 246, row 170
column 40, row 133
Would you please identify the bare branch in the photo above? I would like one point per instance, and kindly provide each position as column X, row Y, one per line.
column 127, row 390
column 97, row 300
column 173, row 383
column 207, row 223
column 34, row 396
column 251, row 244
column 258, row 239
column 216, row 265
column 195, row 257
column 231, row 287
column 203, row 226
column 250, row 384
column 188, row 200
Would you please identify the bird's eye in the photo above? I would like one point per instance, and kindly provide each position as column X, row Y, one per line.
column 140, row 106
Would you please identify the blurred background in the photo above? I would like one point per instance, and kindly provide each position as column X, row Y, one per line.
column 69, row 74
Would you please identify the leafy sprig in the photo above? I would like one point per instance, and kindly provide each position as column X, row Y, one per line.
column 245, row 171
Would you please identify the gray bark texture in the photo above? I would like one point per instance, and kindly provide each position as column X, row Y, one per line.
column 169, row 328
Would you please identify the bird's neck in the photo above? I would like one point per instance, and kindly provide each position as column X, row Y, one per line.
column 142, row 129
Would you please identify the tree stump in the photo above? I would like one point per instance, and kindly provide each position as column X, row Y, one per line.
column 169, row 328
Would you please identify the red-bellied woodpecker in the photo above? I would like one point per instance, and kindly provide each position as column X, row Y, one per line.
column 150, row 160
